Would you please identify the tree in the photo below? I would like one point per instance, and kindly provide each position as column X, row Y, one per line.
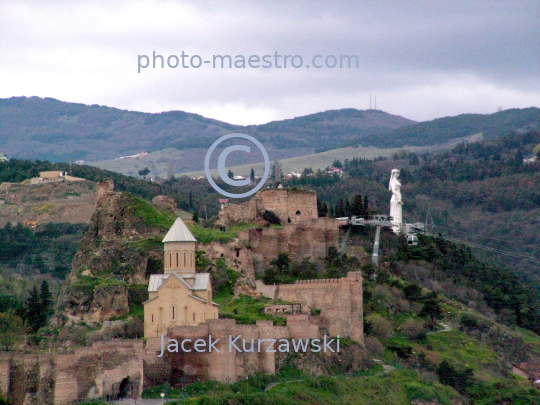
column 305, row 270
column 413, row 292
column 337, row 163
column 347, row 208
column 195, row 217
column 45, row 299
column 279, row 270
column 340, row 209
column 357, row 206
column 459, row 379
column 230, row 174
column 144, row 172
column 39, row 264
column 33, row 310
column 431, row 309
column 366, row 205
column 277, row 173
column 11, row 331
column 252, row 175
column 322, row 209
column 223, row 278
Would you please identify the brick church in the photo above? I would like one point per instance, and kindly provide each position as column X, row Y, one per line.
column 180, row 296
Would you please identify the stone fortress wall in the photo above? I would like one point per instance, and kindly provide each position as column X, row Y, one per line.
column 291, row 206
column 98, row 370
column 303, row 240
column 340, row 301
column 67, row 378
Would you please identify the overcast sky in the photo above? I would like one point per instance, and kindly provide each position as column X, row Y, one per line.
column 422, row 60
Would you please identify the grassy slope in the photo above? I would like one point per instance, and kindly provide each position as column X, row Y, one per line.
column 393, row 389
column 325, row 159
column 400, row 386
column 158, row 161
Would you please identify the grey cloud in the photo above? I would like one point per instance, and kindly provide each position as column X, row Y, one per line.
column 404, row 48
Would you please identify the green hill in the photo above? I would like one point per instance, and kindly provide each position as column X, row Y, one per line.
column 49, row 129
column 445, row 129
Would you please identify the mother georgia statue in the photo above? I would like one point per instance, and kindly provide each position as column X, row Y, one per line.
column 395, row 203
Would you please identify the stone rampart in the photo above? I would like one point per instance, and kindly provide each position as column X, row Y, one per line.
column 340, row 301
column 65, row 379
column 291, row 206
column 305, row 240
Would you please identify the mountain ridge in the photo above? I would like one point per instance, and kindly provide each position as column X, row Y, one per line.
column 49, row 129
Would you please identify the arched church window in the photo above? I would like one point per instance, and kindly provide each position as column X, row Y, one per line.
column 193, row 315
column 185, row 256
column 173, row 312
column 177, row 259
column 170, row 259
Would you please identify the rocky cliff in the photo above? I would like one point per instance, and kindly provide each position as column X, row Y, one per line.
column 111, row 268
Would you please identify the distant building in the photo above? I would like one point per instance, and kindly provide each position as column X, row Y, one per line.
column 51, row 174
column 79, row 162
column 335, row 170
column 292, row 175
column 54, row 176
column 3, row 158
column 236, row 178
column 530, row 160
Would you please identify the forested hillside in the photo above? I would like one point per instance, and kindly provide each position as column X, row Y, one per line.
column 442, row 130
column 488, row 310
column 48, row 129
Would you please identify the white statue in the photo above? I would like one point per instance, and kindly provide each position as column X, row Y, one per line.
column 396, row 204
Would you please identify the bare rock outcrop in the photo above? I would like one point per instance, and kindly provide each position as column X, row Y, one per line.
column 117, row 254
column 165, row 203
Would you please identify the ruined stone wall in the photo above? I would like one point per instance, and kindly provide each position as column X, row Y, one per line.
column 291, row 206
column 305, row 240
column 94, row 372
column 229, row 366
column 245, row 212
column 64, row 379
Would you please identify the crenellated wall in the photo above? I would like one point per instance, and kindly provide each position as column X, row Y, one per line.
column 340, row 301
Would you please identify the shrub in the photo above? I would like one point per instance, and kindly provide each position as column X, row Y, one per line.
column 271, row 217
column 457, row 378
column 374, row 346
column 380, row 326
column 326, row 383
column 413, row 292
column 414, row 329
column 402, row 351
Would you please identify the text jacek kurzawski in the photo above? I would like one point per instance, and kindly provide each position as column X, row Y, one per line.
column 240, row 345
